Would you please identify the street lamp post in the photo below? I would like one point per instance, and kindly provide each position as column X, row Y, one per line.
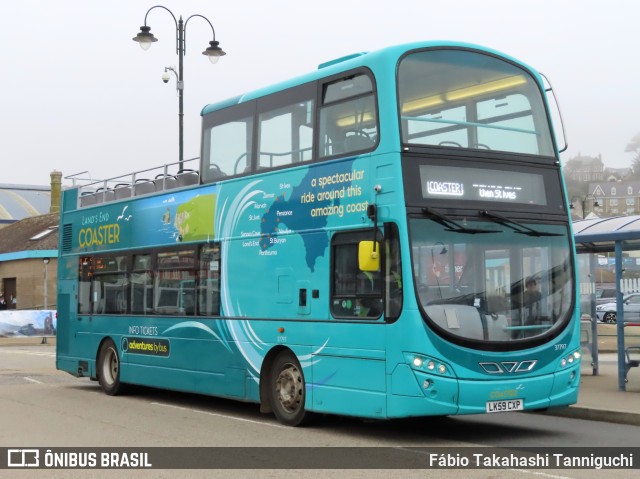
column 583, row 203
column 145, row 38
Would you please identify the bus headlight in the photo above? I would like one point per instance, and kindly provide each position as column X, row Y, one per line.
column 570, row 359
column 431, row 365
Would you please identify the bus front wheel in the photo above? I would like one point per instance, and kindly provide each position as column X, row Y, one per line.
column 109, row 369
column 287, row 390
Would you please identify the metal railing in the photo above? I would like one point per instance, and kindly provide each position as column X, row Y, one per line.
column 143, row 182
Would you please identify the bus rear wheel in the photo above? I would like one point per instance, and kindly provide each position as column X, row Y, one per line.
column 109, row 369
column 287, row 390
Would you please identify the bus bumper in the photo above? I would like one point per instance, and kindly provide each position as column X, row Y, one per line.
column 438, row 395
column 541, row 392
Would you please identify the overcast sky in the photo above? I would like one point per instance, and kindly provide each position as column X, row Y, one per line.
column 78, row 94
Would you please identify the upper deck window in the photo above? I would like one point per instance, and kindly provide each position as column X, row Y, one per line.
column 348, row 116
column 285, row 135
column 227, row 143
column 465, row 99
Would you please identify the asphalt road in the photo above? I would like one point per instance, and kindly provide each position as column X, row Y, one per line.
column 42, row 407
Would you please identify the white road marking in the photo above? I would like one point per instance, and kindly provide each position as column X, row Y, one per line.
column 30, row 353
column 261, row 423
column 33, row 380
column 543, row 474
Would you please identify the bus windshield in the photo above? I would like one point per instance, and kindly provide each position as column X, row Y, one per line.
column 466, row 99
column 504, row 282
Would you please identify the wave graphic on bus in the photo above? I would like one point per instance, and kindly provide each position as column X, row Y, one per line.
column 201, row 326
column 249, row 344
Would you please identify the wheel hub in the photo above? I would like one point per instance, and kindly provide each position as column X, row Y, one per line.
column 111, row 367
column 288, row 388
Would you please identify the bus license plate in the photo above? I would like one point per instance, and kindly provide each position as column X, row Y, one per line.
column 505, row 406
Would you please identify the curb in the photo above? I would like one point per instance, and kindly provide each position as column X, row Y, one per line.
column 594, row 414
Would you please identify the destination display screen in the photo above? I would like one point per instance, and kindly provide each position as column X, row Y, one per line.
column 482, row 184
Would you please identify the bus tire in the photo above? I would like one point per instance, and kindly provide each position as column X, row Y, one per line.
column 108, row 369
column 287, row 392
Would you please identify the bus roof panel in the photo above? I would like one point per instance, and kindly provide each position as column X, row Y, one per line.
column 349, row 62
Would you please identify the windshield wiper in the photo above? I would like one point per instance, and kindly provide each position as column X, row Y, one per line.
column 515, row 225
column 451, row 225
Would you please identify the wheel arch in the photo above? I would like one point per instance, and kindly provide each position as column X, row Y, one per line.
column 265, row 404
column 99, row 348
column 102, row 341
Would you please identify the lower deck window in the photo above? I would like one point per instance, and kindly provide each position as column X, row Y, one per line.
column 164, row 282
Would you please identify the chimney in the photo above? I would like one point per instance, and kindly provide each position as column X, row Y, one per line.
column 56, row 186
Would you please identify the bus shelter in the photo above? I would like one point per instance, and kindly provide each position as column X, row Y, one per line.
column 607, row 235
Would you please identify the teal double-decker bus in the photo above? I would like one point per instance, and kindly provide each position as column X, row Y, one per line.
column 387, row 236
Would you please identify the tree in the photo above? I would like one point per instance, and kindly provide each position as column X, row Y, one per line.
column 634, row 147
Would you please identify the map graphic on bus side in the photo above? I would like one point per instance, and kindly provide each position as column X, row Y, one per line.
column 311, row 203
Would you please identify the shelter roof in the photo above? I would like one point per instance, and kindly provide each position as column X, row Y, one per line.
column 601, row 234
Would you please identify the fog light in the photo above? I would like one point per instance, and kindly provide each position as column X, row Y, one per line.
column 426, row 384
column 417, row 362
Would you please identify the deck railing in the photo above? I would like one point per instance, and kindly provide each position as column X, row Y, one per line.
column 143, row 182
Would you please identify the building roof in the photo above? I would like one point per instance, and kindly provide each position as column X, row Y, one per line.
column 22, row 201
column 31, row 234
column 614, row 189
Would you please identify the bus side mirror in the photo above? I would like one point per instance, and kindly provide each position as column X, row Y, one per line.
column 369, row 256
